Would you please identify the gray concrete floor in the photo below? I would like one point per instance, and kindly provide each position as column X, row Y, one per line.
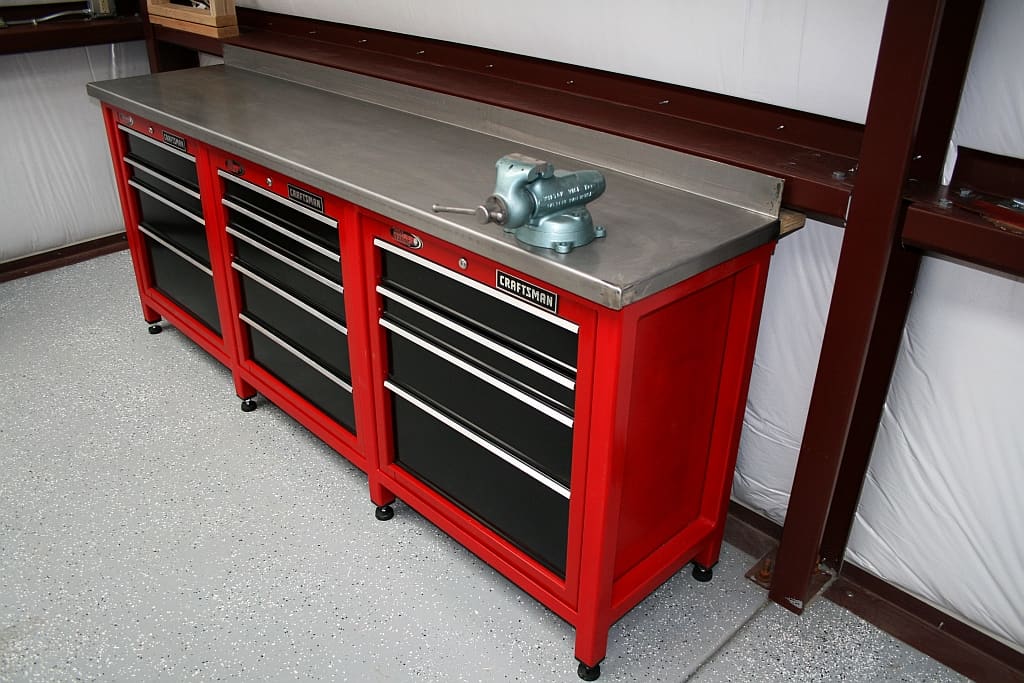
column 151, row 531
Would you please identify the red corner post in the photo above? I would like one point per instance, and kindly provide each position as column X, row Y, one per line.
column 853, row 373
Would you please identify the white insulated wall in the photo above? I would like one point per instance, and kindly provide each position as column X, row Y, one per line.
column 58, row 180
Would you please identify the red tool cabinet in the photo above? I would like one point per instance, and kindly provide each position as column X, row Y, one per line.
column 585, row 453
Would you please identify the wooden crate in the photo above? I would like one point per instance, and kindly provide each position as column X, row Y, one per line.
column 216, row 21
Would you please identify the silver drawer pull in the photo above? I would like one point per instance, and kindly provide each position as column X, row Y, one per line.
column 156, row 238
column 289, row 298
column 284, row 231
column 166, row 202
column 479, row 374
column 295, row 352
column 326, row 220
column 534, row 474
column 479, row 338
column 256, row 244
column 161, row 177
column 158, row 144
column 469, row 282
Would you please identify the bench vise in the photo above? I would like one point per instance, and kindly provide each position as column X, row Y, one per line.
column 541, row 206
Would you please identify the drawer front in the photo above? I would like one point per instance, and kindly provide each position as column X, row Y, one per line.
column 178, row 193
column 515, row 368
column 184, row 282
column 284, row 241
column 307, row 224
column 316, row 335
column 535, row 432
column 533, row 516
column 477, row 307
column 173, row 223
column 179, row 165
column 298, row 279
column 301, row 374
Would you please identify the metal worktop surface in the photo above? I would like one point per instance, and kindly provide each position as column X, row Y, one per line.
column 398, row 164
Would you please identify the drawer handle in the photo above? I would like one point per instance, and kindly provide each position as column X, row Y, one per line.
column 478, row 373
column 479, row 339
column 295, row 352
column 166, row 202
column 256, row 244
column 179, row 252
column 277, row 228
column 158, row 144
column 289, row 298
column 326, row 220
column 536, row 475
column 469, row 282
column 161, row 177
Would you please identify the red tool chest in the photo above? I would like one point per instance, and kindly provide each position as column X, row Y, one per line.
column 584, row 452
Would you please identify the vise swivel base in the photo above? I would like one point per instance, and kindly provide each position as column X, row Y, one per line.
column 541, row 206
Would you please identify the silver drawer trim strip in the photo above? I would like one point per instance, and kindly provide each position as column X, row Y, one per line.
column 501, row 349
column 480, row 374
column 469, row 282
column 161, row 177
column 167, row 202
column 295, row 352
column 289, row 298
column 326, row 220
column 284, row 231
column 156, row 238
column 159, row 145
column 534, row 474
column 285, row 260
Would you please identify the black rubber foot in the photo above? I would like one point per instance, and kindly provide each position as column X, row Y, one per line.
column 155, row 328
column 589, row 673
column 248, row 405
column 384, row 512
column 702, row 574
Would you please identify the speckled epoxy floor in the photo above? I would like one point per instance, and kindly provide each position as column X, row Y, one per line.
column 151, row 531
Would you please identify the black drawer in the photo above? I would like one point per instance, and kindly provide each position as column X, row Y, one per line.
column 171, row 222
column 285, row 241
column 184, row 283
column 297, row 219
column 296, row 278
column 316, row 335
column 530, row 514
column 182, row 195
column 179, row 165
column 525, row 373
column 538, row 434
column 449, row 293
column 315, row 384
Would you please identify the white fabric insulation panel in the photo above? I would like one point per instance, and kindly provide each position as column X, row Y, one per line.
column 58, row 186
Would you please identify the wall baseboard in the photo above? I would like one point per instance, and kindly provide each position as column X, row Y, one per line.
column 65, row 256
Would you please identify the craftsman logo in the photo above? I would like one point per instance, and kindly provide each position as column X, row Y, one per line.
column 406, row 239
column 307, row 199
column 527, row 292
column 175, row 141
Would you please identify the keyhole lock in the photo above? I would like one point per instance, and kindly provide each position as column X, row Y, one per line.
column 463, row 263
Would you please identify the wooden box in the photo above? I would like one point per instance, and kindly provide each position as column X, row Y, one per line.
column 217, row 20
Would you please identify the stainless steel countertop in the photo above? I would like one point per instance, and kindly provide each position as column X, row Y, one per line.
column 398, row 164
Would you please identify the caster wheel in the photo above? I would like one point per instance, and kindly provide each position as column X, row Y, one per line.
column 155, row 328
column 589, row 673
column 248, row 405
column 702, row 574
column 384, row 512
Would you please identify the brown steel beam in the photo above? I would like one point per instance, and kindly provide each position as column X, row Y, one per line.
column 902, row 74
column 954, row 45
column 966, row 236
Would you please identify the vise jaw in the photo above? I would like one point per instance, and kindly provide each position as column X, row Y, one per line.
column 541, row 206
